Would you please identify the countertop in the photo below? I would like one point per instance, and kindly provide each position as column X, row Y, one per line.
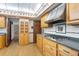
column 2, row 33
column 68, row 43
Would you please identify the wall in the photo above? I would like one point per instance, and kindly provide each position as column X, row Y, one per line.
column 30, row 25
column 30, row 31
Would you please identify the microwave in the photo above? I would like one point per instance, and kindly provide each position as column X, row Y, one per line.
column 60, row 28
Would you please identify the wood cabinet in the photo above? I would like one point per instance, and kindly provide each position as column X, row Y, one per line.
column 65, row 51
column 39, row 42
column 2, row 40
column 36, row 29
column 2, row 22
column 49, row 47
column 23, row 32
column 72, row 13
column 43, row 19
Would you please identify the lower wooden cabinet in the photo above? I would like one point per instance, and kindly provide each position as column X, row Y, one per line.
column 39, row 42
column 65, row 51
column 49, row 47
column 2, row 41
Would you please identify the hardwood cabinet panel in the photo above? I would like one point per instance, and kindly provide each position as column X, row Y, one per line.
column 40, row 42
column 36, row 30
column 43, row 19
column 72, row 13
column 49, row 48
column 2, row 41
column 2, row 22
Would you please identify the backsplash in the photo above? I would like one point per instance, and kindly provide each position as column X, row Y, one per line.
column 71, row 31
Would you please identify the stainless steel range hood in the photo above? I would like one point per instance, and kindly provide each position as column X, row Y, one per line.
column 56, row 14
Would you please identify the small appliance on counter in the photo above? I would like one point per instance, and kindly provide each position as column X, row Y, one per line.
column 60, row 28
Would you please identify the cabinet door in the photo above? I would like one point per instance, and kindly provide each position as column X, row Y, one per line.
column 49, row 48
column 39, row 42
column 2, row 22
column 74, row 11
column 43, row 19
column 2, row 41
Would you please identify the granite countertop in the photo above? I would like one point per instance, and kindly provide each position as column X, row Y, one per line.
column 68, row 43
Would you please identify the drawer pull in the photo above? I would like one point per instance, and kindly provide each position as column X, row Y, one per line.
column 65, row 51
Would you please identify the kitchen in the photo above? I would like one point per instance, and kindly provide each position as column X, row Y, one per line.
column 46, row 29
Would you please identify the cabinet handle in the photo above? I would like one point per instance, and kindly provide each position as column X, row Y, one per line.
column 65, row 51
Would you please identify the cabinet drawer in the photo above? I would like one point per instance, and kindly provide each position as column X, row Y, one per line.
column 67, row 50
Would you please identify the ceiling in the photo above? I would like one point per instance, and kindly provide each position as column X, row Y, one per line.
column 32, row 9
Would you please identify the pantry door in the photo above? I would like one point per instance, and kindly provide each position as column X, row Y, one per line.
column 26, row 35
column 23, row 32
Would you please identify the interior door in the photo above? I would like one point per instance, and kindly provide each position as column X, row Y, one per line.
column 26, row 39
column 21, row 32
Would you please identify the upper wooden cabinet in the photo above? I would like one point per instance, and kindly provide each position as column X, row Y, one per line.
column 72, row 13
column 43, row 18
column 2, row 22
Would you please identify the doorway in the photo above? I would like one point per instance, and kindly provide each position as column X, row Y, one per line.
column 12, row 30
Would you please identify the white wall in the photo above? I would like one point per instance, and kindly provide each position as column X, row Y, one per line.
column 74, row 29
column 30, row 31
column 30, row 25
